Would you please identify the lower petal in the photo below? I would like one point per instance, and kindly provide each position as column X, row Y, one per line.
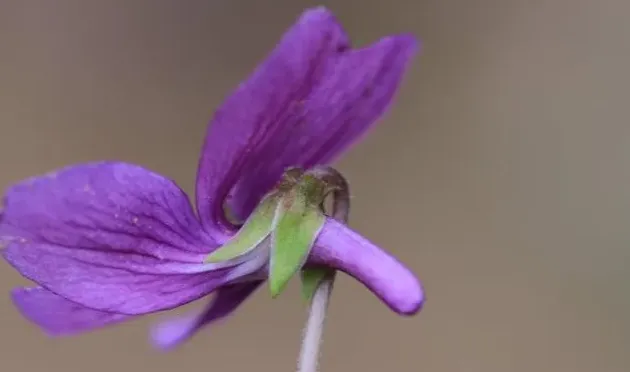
column 341, row 248
column 58, row 316
column 106, row 286
column 174, row 332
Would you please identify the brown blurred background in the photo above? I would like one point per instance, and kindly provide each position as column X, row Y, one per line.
column 501, row 176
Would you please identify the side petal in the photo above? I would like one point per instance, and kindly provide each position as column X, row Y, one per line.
column 339, row 247
column 174, row 332
column 297, row 223
column 109, row 236
column 252, row 120
column 105, row 205
column 58, row 316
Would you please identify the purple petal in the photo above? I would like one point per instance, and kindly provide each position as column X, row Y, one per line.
column 109, row 236
column 306, row 104
column 173, row 332
column 341, row 248
column 354, row 91
column 115, row 206
column 100, row 284
column 256, row 112
column 58, row 316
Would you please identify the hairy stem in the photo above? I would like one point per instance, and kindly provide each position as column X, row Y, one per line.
column 309, row 354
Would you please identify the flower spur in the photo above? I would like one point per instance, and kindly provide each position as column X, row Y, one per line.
column 108, row 241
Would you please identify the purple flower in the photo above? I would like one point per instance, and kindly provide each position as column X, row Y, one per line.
column 109, row 241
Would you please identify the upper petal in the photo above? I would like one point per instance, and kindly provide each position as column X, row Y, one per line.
column 58, row 316
column 255, row 116
column 304, row 105
column 112, row 237
column 354, row 90
column 339, row 247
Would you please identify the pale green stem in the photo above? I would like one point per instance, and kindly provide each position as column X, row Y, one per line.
column 309, row 354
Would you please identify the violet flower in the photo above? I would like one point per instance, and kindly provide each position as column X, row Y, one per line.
column 105, row 242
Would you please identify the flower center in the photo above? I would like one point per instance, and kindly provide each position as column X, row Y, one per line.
column 279, row 234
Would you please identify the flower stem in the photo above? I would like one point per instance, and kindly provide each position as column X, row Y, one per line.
column 309, row 353
column 311, row 342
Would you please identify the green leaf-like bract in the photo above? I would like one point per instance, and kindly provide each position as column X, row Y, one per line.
column 311, row 278
column 298, row 221
column 254, row 231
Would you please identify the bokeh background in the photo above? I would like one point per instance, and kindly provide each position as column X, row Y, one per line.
column 501, row 175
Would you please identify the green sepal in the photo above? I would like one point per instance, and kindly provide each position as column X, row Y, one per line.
column 311, row 278
column 297, row 223
column 253, row 232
